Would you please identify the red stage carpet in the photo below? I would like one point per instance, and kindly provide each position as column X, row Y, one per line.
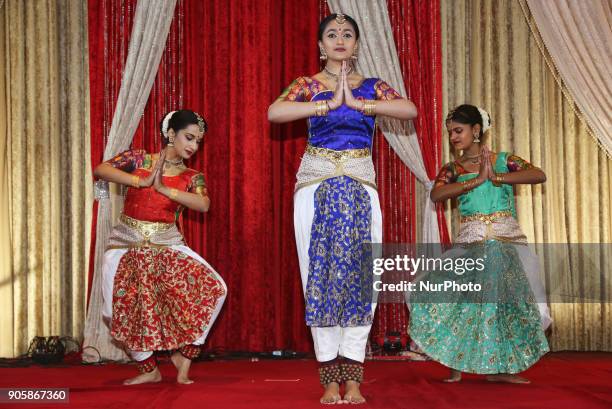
column 560, row 380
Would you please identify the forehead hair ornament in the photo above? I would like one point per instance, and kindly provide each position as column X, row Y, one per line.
column 340, row 18
column 201, row 123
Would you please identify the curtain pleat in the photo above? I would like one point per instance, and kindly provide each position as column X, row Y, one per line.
column 6, row 271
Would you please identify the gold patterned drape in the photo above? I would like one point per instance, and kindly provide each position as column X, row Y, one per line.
column 492, row 58
column 44, row 127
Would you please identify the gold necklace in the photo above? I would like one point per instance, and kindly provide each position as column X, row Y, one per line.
column 473, row 158
column 177, row 163
column 335, row 76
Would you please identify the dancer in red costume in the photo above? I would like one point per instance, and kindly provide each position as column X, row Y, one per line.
column 158, row 293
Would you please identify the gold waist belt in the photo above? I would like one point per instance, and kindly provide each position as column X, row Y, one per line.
column 146, row 228
column 487, row 218
column 338, row 156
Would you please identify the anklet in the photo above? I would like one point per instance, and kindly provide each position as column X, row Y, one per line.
column 190, row 351
column 148, row 365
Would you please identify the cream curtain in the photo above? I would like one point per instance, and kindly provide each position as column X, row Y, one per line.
column 7, row 345
column 147, row 42
column 45, row 175
column 491, row 58
column 578, row 38
column 378, row 58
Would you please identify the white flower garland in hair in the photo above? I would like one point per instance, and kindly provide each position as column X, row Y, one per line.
column 486, row 119
column 165, row 123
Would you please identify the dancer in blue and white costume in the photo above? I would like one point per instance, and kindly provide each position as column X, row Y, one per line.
column 336, row 208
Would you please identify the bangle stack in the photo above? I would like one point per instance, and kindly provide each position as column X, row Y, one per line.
column 498, row 179
column 135, row 181
column 469, row 185
column 173, row 193
column 321, row 108
column 369, row 107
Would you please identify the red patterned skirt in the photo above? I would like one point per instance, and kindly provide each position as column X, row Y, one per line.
column 162, row 299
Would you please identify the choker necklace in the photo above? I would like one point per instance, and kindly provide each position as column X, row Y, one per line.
column 335, row 76
column 177, row 162
column 473, row 158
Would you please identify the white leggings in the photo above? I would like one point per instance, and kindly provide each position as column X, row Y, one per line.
column 329, row 342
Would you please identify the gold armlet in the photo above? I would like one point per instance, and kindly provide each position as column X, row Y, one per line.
column 135, row 181
column 201, row 190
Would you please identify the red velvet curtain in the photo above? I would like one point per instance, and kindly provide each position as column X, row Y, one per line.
column 228, row 61
column 417, row 34
column 416, row 30
column 240, row 55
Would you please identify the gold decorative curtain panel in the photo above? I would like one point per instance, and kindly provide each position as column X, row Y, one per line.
column 45, row 171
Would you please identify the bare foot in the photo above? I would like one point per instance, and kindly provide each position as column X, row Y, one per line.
column 353, row 394
column 182, row 365
column 331, row 396
column 508, row 378
column 147, row 377
column 455, row 376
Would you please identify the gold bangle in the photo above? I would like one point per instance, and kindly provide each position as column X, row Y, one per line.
column 498, row 179
column 135, row 181
column 173, row 193
column 321, row 108
column 373, row 108
column 369, row 107
column 326, row 111
column 468, row 185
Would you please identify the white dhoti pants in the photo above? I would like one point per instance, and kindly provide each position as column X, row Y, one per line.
column 329, row 342
column 111, row 263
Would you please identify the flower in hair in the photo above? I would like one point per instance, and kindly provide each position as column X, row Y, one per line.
column 165, row 123
column 486, row 119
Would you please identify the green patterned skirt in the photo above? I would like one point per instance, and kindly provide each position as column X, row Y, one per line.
column 494, row 330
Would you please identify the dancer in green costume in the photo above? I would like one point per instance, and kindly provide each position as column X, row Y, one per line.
column 498, row 331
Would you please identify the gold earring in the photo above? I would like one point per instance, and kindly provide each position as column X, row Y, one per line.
column 171, row 142
column 323, row 56
column 355, row 55
column 476, row 138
